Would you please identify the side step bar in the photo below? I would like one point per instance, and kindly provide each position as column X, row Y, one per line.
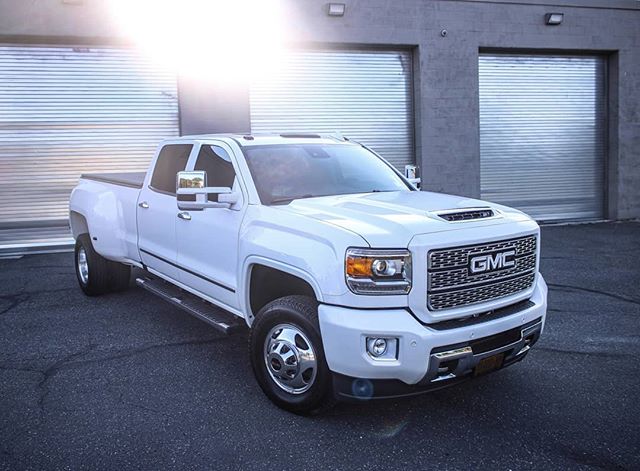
column 225, row 322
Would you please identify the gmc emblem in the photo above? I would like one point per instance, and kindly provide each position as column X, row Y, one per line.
column 492, row 261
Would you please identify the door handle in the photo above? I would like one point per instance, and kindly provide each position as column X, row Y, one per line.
column 144, row 205
column 184, row 215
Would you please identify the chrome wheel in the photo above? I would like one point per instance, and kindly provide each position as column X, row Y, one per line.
column 83, row 266
column 290, row 359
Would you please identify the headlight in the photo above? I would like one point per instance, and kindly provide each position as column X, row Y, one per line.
column 378, row 271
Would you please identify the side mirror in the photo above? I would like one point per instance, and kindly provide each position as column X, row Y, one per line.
column 412, row 173
column 193, row 193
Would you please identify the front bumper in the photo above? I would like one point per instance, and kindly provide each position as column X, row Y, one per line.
column 428, row 358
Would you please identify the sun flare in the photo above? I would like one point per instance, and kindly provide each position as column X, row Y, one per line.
column 219, row 40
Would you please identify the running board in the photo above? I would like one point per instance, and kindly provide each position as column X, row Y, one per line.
column 225, row 322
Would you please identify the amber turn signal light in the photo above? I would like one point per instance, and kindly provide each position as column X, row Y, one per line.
column 359, row 267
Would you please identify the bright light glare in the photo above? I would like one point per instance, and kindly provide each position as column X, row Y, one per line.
column 223, row 41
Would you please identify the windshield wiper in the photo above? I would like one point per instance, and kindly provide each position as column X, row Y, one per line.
column 289, row 199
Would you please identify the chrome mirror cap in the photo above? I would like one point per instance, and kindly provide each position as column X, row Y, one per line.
column 194, row 179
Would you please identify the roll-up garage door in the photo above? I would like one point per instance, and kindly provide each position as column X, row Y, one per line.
column 542, row 134
column 69, row 110
column 366, row 95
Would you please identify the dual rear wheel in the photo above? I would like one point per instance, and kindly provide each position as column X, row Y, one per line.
column 97, row 275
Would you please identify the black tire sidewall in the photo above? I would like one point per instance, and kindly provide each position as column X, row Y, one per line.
column 105, row 276
column 98, row 281
column 288, row 311
column 119, row 276
column 80, row 243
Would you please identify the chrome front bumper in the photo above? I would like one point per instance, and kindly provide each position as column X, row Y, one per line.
column 448, row 363
column 446, row 366
column 345, row 330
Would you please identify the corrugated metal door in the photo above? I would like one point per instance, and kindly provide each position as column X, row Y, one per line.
column 542, row 134
column 65, row 111
column 367, row 95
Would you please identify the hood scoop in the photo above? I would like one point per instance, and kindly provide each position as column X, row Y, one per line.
column 466, row 214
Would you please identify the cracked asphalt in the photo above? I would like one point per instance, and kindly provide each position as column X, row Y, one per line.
column 128, row 381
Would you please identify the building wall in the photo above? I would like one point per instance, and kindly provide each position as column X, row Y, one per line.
column 447, row 134
column 448, row 126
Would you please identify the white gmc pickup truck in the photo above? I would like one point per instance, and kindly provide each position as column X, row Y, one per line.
column 353, row 284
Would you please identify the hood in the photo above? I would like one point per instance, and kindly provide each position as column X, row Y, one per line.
column 392, row 219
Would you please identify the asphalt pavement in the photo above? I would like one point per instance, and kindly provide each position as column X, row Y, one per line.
column 128, row 381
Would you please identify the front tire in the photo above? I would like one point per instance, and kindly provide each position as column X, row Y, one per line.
column 287, row 357
column 97, row 275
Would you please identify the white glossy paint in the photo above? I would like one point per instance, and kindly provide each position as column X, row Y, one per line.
column 112, row 219
column 344, row 331
column 392, row 219
column 306, row 238
column 157, row 231
column 207, row 244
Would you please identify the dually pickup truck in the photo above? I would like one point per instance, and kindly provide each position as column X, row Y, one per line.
column 352, row 283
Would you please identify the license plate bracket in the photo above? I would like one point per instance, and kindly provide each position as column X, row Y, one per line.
column 489, row 364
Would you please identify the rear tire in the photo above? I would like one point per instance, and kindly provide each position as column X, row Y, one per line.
column 287, row 356
column 96, row 275
column 119, row 276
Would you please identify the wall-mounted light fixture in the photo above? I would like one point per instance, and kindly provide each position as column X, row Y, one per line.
column 553, row 19
column 336, row 9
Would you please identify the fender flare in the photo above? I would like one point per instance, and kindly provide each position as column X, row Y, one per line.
column 78, row 223
column 271, row 263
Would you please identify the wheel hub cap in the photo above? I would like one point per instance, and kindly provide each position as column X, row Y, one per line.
column 83, row 265
column 290, row 359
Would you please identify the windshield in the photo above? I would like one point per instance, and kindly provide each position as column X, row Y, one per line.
column 286, row 172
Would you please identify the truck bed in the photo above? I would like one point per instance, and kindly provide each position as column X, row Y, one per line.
column 130, row 179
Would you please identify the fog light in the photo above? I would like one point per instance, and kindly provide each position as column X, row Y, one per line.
column 377, row 347
column 380, row 348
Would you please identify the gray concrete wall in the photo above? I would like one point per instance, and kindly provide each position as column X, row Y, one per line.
column 447, row 131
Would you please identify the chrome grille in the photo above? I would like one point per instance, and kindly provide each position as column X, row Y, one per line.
column 449, row 258
column 460, row 277
column 451, row 284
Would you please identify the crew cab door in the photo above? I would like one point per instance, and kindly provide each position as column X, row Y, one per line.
column 157, row 210
column 208, row 238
